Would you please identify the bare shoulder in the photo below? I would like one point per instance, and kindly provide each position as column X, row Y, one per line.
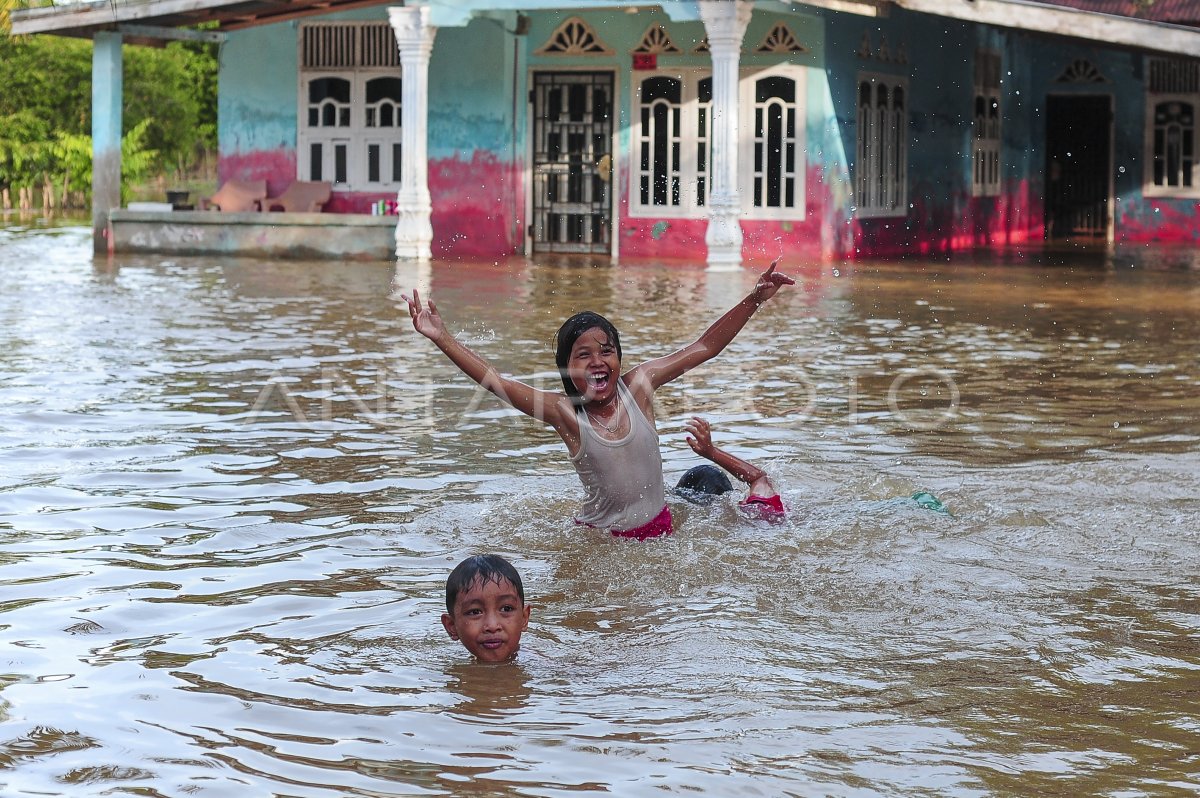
column 641, row 388
column 560, row 414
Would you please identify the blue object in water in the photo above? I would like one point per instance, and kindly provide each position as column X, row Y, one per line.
column 929, row 502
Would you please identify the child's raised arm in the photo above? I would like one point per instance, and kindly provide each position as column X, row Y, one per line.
column 550, row 408
column 700, row 439
column 662, row 370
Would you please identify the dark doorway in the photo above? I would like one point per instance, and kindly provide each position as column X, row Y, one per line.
column 572, row 161
column 1078, row 170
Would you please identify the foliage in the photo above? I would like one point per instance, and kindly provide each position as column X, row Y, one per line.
column 74, row 154
column 169, row 114
column 24, row 148
column 137, row 159
column 174, row 88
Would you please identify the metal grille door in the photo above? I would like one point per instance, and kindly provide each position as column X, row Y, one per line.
column 1077, row 166
column 572, row 138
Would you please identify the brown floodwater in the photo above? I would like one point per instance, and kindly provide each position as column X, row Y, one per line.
column 232, row 490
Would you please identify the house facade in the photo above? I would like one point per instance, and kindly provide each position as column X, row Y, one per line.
column 724, row 130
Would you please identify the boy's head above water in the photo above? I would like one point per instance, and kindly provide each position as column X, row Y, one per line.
column 485, row 607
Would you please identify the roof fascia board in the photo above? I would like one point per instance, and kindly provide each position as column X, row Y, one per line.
column 100, row 13
column 159, row 33
column 456, row 13
column 1042, row 18
column 249, row 20
column 863, row 8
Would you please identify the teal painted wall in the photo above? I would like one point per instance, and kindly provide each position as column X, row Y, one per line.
column 470, row 83
column 472, row 76
column 256, row 104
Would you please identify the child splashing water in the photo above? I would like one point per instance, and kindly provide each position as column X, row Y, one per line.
column 605, row 418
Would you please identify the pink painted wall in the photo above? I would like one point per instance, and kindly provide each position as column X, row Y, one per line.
column 478, row 211
column 1161, row 221
column 277, row 167
column 953, row 224
column 478, row 206
column 648, row 237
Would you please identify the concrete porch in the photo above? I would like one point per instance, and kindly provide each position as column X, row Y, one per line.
column 294, row 236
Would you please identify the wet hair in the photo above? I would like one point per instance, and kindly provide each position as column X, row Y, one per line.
column 569, row 333
column 699, row 484
column 481, row 568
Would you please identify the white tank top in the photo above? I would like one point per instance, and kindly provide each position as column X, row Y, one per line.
column 622, row 480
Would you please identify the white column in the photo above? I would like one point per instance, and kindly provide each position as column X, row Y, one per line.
column 414, row 36
column 725, row 23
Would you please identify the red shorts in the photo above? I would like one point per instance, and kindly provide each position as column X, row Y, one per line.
column 763, row 508
column 659, row 527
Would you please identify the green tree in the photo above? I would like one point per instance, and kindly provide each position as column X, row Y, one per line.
column 169, row 115
column 25, row 149
column 169, row 88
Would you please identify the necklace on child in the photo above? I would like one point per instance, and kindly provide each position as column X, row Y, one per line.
column 616, row 417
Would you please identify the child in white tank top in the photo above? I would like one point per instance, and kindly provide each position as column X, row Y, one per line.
column 605, row 417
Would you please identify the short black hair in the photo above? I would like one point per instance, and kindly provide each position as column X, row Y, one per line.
column 482, row 568
column 569, row 333
column 699, row 484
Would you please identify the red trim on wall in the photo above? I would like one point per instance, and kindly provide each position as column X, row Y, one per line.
column 277, row 167
column 940, row 227
column 1159, row 221
column 478, row 206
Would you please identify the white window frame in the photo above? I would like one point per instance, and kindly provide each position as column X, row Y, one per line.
column 356, row 138
column 1154, row 99
column 986, row 114
column 691, row 138
column 881, row 153
column 748, row 125
column 685, row 131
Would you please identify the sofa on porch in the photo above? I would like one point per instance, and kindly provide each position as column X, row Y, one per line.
column 236, row 196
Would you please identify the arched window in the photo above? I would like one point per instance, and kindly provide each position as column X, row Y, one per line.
column 659, row 144
column 774, row 176
column 1174, row 144
column 881, row 168
column 329, row 102
column 1172, row 99
column 350, row 121
column 673, row 156
column 703, row 139
column 985, row 151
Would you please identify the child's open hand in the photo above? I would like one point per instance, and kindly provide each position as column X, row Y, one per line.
column 426, row 321
column 700, row 437
column 769, row 282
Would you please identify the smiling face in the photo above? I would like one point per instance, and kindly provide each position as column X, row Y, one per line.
column 488, row 619
column 594, row 366
column 569, row 334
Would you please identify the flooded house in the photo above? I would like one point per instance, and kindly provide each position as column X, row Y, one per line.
column 714, row 131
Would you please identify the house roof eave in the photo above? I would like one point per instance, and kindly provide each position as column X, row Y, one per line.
column 1065, row 21
column 84, row 19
